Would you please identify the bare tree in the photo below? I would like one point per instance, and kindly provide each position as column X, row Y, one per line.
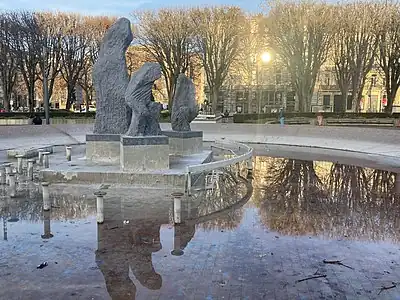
column 95, row 29
column 86, row 82
column 354, row 47
column 389, row 51
column 218, row 34
column 300, row 33
column 74, row 50
column 167, row 36
column 8, row 63
column 26, row 46
column 253, row 43
column 51, row 32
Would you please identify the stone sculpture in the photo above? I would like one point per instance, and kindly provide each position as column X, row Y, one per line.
column 184, row 108
column 145, row 112
column 110, row 78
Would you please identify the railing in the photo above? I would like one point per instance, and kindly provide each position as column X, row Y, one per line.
column 207, row 167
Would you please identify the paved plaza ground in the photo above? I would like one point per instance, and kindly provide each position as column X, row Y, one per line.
column 367, row 140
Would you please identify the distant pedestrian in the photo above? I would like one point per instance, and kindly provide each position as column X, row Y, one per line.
column 281, row 117
column 37, row 120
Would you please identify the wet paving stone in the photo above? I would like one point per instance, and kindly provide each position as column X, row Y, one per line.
column 300, row 216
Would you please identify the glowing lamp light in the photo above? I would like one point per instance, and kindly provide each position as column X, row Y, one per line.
column 266, row 57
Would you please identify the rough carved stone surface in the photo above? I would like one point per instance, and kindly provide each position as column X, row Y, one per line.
column 184, row 108
column 145, row 112
column 110, row 78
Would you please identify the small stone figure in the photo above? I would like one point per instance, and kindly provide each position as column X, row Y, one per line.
column 145, row 112
column 110, row 78
column 184, row 108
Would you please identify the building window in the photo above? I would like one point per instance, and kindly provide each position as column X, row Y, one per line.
column 326, row 100
column 246, row 95
column 278, row 78
column 327, row 80
column 265, row 96
column 239, row 96
column 373, row 80
column 278, row 98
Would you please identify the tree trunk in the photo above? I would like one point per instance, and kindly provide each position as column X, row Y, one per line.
column 356, row 101
column 6, row 102
column 214, row 99
column 170, row 98
column 390, row 99
column 70, row 96
column 87, row 100
column 50, row 88
column 31, row 97
column 171, row 85
column 343, row 97
column 304, row 100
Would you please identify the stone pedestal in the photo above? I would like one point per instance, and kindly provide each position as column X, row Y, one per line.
column 103, row 148
column 144, row 153
column 183, row 143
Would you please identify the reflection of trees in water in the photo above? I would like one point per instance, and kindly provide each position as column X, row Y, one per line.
column 350, row 201
column 293, row 188
column 383, row 184
column 229, row 221
column 228, row 190
column 293, row 179
column 349, row 182
column 28, row 205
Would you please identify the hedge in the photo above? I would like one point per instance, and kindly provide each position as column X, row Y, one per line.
column 64, row 114
column 53, row 114
column 259, row 118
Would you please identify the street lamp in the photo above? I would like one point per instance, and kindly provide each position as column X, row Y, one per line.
column 373, row 78
column 45, row 87
column 266, row 57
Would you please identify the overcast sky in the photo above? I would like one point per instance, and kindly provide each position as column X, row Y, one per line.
column 115, row 7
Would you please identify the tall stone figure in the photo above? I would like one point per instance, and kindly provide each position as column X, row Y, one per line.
column 110, row 78
column 145, row 112
column 184, row 108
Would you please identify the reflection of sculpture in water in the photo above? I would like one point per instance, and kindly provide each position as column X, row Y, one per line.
column 131, row 246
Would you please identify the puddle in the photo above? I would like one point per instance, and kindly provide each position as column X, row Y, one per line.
column 300, row 219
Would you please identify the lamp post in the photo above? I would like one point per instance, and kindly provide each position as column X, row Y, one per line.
column 265, row 58
column 45, row 88
column 373, row 78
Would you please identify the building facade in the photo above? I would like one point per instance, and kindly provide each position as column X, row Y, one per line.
column 328, row 97
column 266, row 90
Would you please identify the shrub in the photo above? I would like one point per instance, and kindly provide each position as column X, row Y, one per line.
column 260, row 118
